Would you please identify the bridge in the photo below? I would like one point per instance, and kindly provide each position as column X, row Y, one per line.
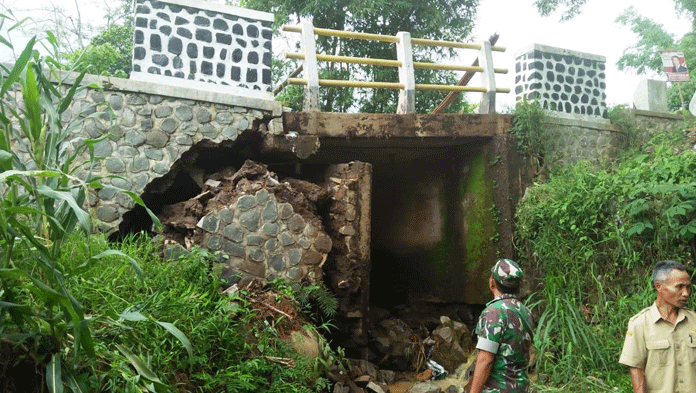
column 384, row 207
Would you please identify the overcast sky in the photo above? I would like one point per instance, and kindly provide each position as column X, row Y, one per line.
column 518, row 24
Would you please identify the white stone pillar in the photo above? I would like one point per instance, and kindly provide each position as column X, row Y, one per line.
column 487, row 104
column 311, row 69
column 404, row 53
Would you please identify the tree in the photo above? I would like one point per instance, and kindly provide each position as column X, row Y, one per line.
column 110, row 51
column 688, row 8
column 644, row 56
column 435, row 19
column 572, row 7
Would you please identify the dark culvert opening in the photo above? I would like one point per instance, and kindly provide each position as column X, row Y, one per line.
column 421, row 196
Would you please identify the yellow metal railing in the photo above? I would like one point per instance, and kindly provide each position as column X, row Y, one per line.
column 404, row 63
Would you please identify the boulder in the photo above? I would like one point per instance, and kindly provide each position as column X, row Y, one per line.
column 451, row 341
column 391, row 340
column 424, row 387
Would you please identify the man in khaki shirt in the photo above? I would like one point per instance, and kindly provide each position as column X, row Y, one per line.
column 660, row 344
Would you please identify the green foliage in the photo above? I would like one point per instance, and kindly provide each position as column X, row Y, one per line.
column 226, row 349
column 528, row 126
column 591, row 236
column 562, row 330
column 307, row 296
column 572, row 7
column 42, row 206
column 108, row 53
column 645, row 54
column 622, row 117
column 443, row 20
column 674, row 98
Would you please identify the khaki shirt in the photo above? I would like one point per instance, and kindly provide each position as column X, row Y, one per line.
column 666, row 352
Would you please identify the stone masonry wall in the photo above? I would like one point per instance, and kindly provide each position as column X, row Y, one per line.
column 351, row 194
column 657, row 121
column 571, row 141
column 149, row 132
column 203, row 41
column 562, row 80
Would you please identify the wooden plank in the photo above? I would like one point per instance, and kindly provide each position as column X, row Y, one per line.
column 388, row 125
column 463, row 81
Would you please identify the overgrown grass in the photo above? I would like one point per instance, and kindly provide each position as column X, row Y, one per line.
column 228, row 351
column 590, row 236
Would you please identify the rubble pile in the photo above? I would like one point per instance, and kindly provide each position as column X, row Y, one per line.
column 260, row 227
column 441, row 360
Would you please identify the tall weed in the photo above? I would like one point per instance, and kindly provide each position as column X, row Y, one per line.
column 228, row 350
column 590, row 238
column 43, row 204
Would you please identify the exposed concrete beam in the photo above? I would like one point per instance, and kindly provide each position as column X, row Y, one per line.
column 386, row 125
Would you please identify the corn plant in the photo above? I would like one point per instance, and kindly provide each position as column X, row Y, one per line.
column 44, row 203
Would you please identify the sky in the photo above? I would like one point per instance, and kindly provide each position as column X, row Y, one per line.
column 518, row 23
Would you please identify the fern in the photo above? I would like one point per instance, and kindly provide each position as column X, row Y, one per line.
column 307, row 295
column 327, row 302
column 241, row 382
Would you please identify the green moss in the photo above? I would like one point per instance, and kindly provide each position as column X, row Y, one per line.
column 477, row 194
column 457, row 267
column 437, row 263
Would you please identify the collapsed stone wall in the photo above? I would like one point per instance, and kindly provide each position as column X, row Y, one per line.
column 260, row 227
column 146, row 132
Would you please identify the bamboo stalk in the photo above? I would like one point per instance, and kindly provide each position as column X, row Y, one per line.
column 392, row 63
column 457, row 88
column 347, row 59
column 391, row 85
column 284, row 83
column 344, row 34
column 463, row 80
column 389, row 38
column 343, row 83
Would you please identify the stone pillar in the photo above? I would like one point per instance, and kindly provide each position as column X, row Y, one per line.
column 651, row 95
column 205, row 45
column 562, row 80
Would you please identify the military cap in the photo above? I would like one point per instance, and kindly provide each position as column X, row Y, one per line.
column 507, row 272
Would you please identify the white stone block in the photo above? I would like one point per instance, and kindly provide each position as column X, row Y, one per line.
column 651, row 95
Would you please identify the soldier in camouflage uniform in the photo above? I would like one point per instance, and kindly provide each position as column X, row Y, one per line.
column 504, row 335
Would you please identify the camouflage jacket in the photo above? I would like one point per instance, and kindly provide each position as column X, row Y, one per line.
column 505, row 328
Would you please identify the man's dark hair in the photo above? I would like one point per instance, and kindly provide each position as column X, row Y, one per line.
column 505, row 289
column 662, row 270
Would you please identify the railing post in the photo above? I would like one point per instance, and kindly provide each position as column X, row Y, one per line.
column 311, row 70
column 487, row 104
column 404, row 53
